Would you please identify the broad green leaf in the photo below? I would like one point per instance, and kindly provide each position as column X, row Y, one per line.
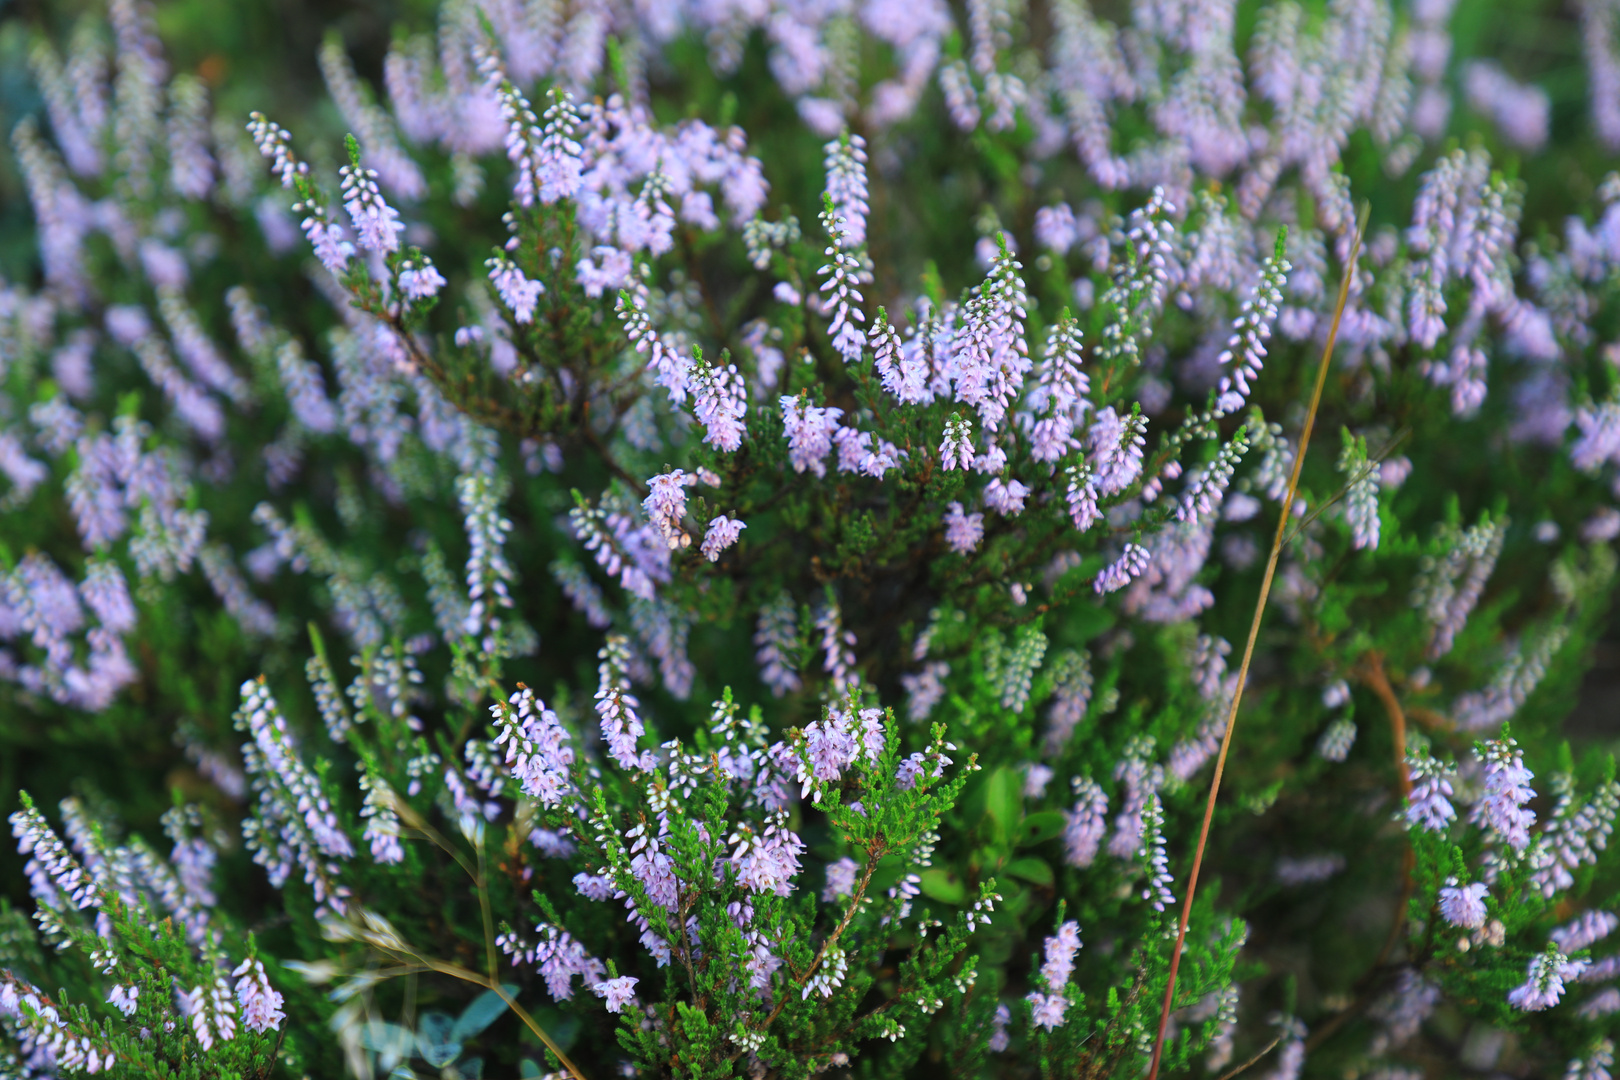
column 944, row 886
column 1030, row 869
column 1040, row 827
column 485, row 1009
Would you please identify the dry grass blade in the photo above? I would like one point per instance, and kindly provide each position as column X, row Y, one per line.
column 1248, row 649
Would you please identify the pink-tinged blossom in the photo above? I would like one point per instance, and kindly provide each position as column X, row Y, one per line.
column 1086, row 824
column 830, row 747
column 260, row 1003
column 1545, row 976
column 1429, row 804
column 665, row 506
column 956, row 449
column 559, row 957
column 609, row 270
column 723, row 532
column 963, row 531
column 777, row 639
column 1464, row 905
column 990, row 354
column 767, row 860
column 1057, row 401
column 376, row 224
column 1599, row 441
column 535, row 747
column 840, row 880
column 518, row 293
column 843, row 273
column 1060, row 950
column 720, row 404
column 1519, row 111
column 846, row 188
column 1046, row 1010
column 616, row 706
column 1055, row 228
column 1502, row 807
column 1450, row 584
column 275, row 143
column 617, row 993
column 420, row 282
column 1005, row 497
column 1081, row 496
column 1116, row 449
column 1574, row 835
column 296, row 826
column 123, row 998
column 667, row 363
column 1120, row 573
column 1591, row 927
column 924, row 689
column 1246, row 350
column 810, row 431
column 382, row 823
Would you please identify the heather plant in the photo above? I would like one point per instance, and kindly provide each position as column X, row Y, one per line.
column 769, row 539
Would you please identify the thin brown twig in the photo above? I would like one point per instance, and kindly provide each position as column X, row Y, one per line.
column 1248, row 649
column 1252, row 1062
column 1373, row 675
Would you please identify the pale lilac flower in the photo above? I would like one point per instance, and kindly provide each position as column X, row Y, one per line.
column 777, row 637
column 1086, row 823
column 723, row 532
column 1518, row 110
column 956, row 450
column 537, row 748
column 667, row 362
column 1545, row 976
column 1005, row 497
column 963, row 531
column 518, row 292
column 617, row 993
column 1336, row 741
column 810, row 431
column 123, row 998
column 1036, row 777
column 1592, row 926
column 1464, row 905
column 1116, row 449
column 1308, row 869
column 665, row 506
column 1055, row 228
column 1246, row 349
column 840, row 879
column 999, row 1039
column 382, row 823
column 1046, row 1010
column 420, row 282
column 376, row 224
column 843, row 273
column 1429, row 804
column 1130, row 564
column 621, row 726
column 612, row 273
column 1507, row 789
column 846, row 187
column 1060, row 950
column 720, row 403
column 261, row 1005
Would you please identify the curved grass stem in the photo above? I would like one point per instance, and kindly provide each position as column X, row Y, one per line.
column 1248, row 649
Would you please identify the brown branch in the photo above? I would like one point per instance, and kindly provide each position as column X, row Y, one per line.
column 1248, row 649
column 1372, row 674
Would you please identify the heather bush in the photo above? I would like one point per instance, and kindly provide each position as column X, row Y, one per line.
column 770, row 538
